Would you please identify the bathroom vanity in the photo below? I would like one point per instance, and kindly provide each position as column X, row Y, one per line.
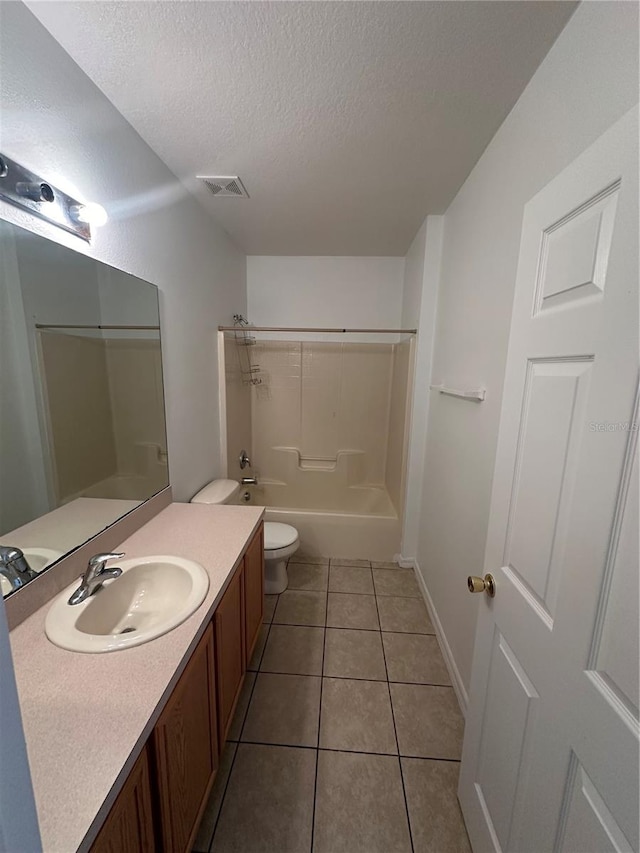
column 123, row 747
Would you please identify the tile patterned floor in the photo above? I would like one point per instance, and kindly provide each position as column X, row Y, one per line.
column 347, row 735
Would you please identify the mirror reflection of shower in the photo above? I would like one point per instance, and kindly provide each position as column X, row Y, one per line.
column 104, row 410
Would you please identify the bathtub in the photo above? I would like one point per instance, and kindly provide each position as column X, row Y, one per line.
column 364, row 524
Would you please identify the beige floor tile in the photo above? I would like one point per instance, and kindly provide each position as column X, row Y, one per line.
column 241, row 707
column 350, row 579
column 300, row 557
column 428, row 721
column 307, row 576
column 270, row 602
column 349, row 653
column 268, row 807
column 293, row 649
column 360, row 805
column 404, row 614
column 356, row 716
column 436, row 819
column 254, row 663
column 396, row 582
column 284, row 709
column 352, row 611
column 299, row 607
column 415, row 658
column 384, row 565
column 346, row 561
column 212, row 809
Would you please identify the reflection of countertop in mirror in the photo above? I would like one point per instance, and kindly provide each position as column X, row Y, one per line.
column 69, row 525
column 86, row 717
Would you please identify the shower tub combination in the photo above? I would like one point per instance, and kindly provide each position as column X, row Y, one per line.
column 296, row 405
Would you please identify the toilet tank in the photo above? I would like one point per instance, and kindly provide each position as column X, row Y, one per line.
column 218, row 492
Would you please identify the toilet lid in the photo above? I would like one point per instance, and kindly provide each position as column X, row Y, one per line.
column 278, row 535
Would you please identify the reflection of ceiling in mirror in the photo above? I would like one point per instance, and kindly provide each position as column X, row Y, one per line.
column 83, row 401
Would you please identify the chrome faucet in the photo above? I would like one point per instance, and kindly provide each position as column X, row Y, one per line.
column 95, row 575
column 14, row 566
column 249, row 481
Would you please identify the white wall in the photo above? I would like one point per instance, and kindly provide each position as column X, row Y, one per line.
column 419, row 307
column 57, row 122
column 588, row 80
column 325, row 291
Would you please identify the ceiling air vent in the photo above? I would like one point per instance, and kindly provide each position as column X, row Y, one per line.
column 224, row 186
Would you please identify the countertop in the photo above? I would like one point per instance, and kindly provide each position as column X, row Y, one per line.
column 86, row 717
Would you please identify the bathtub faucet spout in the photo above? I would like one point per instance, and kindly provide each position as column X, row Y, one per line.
column 249, row 481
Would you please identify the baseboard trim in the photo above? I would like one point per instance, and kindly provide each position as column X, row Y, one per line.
column 454, row 672
column 405, row 562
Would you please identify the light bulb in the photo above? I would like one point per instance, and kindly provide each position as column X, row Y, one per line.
column 93, row 214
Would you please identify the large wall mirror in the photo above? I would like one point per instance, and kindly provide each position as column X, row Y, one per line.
column 82, row 426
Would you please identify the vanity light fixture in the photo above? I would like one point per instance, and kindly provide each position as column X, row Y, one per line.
column 23, row 188
column 91, row 213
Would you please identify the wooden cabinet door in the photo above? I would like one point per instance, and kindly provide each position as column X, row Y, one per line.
column 186, row 749
column 253, row 591
column 129, row 826
column 230, row 652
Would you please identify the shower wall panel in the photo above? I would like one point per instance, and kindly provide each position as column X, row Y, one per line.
column 321, row 399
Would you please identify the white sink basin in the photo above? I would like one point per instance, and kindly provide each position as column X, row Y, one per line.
column 152, row 596
column 38, row 559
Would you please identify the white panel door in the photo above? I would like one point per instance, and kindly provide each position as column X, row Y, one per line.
column 550, row 758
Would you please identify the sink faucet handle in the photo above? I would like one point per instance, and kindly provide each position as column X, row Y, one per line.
column 97, row 562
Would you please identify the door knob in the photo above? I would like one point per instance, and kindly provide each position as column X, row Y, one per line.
column 486, row 584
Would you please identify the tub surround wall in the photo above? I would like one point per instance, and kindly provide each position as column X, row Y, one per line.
column 324, row 491
column 328, row 425
column 156, row 230
column 576, row 94
column 322, row 399
column 73, row 796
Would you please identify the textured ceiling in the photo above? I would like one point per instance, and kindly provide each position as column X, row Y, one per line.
column 348, row 122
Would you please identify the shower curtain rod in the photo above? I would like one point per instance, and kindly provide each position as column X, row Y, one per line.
column 250, row 329
column 72, row 326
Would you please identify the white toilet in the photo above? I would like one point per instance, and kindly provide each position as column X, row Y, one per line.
column 281, row 541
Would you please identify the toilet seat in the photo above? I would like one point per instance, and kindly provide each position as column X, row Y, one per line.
column 278, row 537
